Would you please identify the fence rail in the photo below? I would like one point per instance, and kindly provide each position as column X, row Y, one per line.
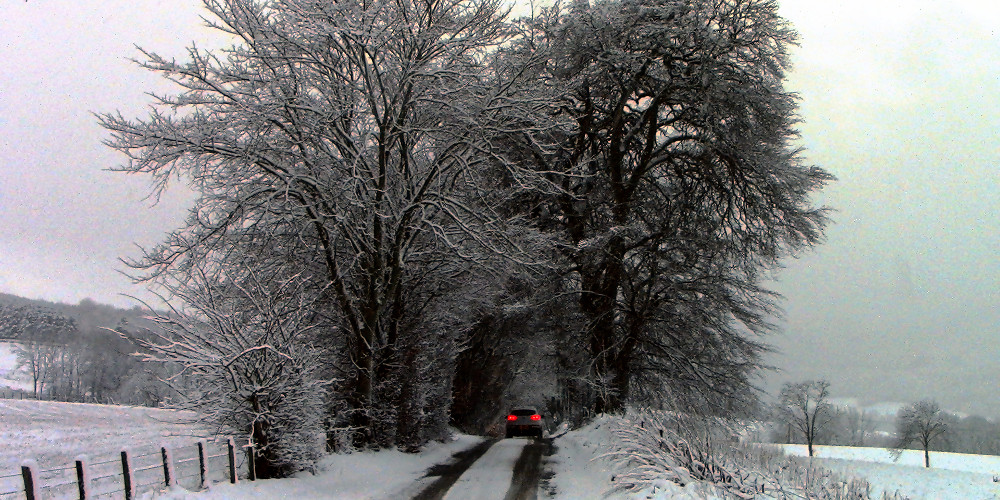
column 191, row 467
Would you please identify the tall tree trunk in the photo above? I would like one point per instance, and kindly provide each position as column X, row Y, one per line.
column 361, row 402
column 598, row 301
column 263, row 455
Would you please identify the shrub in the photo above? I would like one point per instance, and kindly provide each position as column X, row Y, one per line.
column 654, row 445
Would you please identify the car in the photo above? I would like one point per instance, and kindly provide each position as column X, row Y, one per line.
column 524, row 421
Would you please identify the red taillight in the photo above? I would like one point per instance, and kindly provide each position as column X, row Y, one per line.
column 511, row 417
column 536, row 417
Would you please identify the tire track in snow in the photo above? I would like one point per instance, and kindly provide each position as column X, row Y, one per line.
column 527, row 472
column 449, row 473
column 491, row 476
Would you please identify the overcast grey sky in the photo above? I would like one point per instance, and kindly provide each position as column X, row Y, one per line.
column 900, row 100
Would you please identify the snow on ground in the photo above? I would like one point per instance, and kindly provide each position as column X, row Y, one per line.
column 8, row 358
column 490, row 476
column 951, row 476
column 582, row 471
column 916, row 482
column 55, row 433
column 386, row 474
column 984, row 464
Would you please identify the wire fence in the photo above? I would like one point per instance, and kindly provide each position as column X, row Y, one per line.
column 132, row 472
column 11, row 486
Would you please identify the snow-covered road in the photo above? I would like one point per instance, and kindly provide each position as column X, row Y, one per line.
column 490, row 476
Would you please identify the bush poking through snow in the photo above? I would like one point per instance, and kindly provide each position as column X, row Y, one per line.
column 653, row 446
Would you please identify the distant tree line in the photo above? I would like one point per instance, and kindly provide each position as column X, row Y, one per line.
column 413, row 214
column 804, row 415
column 79, row 354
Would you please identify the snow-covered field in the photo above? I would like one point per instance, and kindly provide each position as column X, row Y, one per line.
column 8, row 358
column 951, row 476
column 55, row 433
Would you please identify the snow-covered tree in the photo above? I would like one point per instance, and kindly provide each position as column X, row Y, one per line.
column 354, row 140
column 679, row 185
column 403, row 158
column 67, row 353
column 922, row 422
column 43, row 337
column 805, row 406
column 853, row 427
column 522, row 351
column 245, row 362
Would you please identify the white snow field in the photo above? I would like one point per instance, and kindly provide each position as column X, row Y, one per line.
column 8, row 358
column 951, row 476
column 55, row 434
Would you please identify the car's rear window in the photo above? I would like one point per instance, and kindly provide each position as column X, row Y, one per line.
column 523, row 413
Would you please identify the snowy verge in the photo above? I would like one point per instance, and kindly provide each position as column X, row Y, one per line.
column 385, row 474
column 651, row 454
column 582, row 468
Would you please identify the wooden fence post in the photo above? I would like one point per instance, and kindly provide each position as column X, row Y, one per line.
column 166, row 466
column 127, row 476
column 81, row 479
column 251, row 466
column 201, row 465
column 30, row 476
column 232, row 461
